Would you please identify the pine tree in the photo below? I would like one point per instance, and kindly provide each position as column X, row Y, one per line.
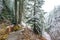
column 34, row 15
column 13, row 9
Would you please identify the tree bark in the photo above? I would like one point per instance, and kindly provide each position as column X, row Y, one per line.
column 20, row 11
column 15, row 19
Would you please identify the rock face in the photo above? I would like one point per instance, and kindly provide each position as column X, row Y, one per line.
column 13, row 35
column 54, row 24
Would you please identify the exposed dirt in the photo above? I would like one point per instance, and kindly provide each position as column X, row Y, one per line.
column 25, row 34
column 29, row 35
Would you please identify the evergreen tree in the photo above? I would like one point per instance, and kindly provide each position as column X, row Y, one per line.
column 34, row 14
column 13, row 9
column 54, row 23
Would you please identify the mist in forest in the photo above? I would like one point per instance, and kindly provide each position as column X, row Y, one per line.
column 29, row 19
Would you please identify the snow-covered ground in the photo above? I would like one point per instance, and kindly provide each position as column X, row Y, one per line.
column 46, row 35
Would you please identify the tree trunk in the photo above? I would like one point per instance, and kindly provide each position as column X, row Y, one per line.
column 15, row 17
column 20, row 10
